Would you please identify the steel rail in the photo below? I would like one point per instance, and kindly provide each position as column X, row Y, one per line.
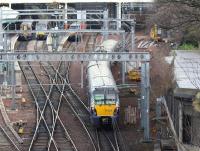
column 56, row 112
column 9, row 139
column 55, row 118
column 98, row 140
column 118, row 138
column 113, row 137
column 93, row 39
column 38, row 108
column 68, row 81
column 110, row 141
column 97, row 132
column 104, row 141
column 37, row 105
column 47, row 97
column 73, row 108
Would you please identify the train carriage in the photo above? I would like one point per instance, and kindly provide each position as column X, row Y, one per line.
column 103, row 92
column 26, row 27
column 42, row 26
column 76, row 26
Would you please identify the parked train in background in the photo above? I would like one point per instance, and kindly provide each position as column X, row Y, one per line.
column 26, row 27
column 76, row 26
column 42, row 26
column 102, row 90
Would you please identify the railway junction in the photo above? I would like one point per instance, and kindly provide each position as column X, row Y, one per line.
column 66, row 78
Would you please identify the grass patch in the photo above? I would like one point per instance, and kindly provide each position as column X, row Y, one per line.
column 186, row 46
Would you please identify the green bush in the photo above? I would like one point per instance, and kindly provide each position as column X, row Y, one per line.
column 187, row 47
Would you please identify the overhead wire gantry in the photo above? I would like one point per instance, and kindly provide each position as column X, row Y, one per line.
column 122, row 56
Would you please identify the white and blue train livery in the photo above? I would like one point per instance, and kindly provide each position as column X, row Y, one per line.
column 103, row 92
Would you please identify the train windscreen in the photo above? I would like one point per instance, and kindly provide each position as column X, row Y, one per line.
column 103, row 97
column 99, row 99
column 41, row 27
column 110, row 99
column 75, row 27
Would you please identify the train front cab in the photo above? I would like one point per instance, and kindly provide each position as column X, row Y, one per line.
column 76, row 26
column 26, row 34
column 41, row 36
column 104, row 107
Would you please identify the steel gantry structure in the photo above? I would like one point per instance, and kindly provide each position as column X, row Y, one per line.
column 122, row 56
column 143, row 57
column 74, row 56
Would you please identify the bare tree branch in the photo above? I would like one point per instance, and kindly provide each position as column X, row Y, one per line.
column 178, row 15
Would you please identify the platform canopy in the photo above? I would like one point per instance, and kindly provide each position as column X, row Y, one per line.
column 186, row 69
column 75, row 1
column 12, row 16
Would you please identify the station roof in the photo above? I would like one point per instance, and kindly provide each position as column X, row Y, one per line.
column 187, row 69
column 13, row 14
column 75, row 1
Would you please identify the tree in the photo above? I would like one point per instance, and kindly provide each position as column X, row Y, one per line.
column 161, row 72
column 178, row 15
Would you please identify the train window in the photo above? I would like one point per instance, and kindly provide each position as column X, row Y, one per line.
column 40, row 26
column 99, row 96
column 110, row 97
column 99, row 99
column 74, row 27
column 99, row 102
column 110, row 101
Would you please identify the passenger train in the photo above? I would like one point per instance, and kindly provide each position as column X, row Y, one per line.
column 42, row 25
column 26, row 27
column 76, row 26
column 102, row 89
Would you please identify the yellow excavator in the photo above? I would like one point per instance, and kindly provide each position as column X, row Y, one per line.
column 154, row 33
column 134, row 75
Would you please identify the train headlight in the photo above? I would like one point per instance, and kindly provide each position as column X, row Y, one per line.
column 116, row 111
column 94, row 111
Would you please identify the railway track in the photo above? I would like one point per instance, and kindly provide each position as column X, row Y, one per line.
column 8, row 141
column 90, row 42
column 72, row 99
column 61, row 87
column 110, row 139
column 105, row 139
column 60, row 74
column 50, row 126
column 81, row 137
column 50, row 132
